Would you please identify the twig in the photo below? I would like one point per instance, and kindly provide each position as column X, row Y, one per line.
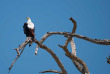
column 54, row 71
column 15, row 60
column 73, row 31
column 75, row 25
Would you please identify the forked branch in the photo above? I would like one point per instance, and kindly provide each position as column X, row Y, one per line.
column 22, row 46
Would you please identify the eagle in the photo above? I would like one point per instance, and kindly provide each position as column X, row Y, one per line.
column 29, row 29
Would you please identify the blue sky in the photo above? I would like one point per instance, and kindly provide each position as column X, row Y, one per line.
column 93, row 20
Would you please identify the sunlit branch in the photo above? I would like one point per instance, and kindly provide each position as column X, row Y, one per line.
column 73, row 47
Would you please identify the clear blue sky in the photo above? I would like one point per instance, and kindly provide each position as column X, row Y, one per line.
column 93, row 20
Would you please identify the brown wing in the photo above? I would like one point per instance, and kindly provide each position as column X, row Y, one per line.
column 31, row 33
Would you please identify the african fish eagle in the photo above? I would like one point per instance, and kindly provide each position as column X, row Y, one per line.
column 29, row 29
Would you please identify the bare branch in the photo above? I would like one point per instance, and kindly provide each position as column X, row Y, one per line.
column 41, row 41
column 70, row 39
column 73, row 57
column 77, row 59
column 54, row 71
column 75, row 25
column 52, row 54
column 77, row 65
column 42, row 46
column 22, row 46
column 73, row 47
column 73, row 31
column 28, row 39
column 96, row 41
column 15, row 60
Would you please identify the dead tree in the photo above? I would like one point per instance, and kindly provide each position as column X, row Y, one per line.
column 80, row 64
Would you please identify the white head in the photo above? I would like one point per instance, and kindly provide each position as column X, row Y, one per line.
column 30, row 24
column 28, row 19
